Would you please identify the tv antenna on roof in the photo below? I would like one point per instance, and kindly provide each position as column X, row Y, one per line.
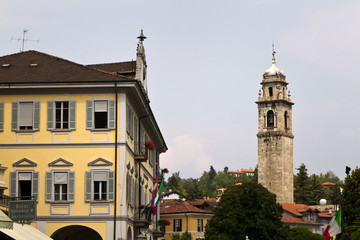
column 23, row 39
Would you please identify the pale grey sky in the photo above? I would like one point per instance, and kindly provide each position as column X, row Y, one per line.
column 205, row 64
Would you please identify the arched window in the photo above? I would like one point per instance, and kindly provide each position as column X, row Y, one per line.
column 286, row 119
column 270, row 119
column 270, row 91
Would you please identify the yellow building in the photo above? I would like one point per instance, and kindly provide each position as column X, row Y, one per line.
column 72, row 137
column 180, row 216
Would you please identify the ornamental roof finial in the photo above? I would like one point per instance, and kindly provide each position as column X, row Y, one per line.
column 141, row 37
column 273, row 53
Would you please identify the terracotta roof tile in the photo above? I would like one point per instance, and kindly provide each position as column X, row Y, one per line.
column 174, row 206
column 119, row 67
column 289, row 219
column 296, row 209
column 36, row 67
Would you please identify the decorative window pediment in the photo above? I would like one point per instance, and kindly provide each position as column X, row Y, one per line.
column 60, row 162
column 25, row 163
column 100, row 162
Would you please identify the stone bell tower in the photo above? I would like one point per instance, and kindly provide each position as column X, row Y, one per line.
column 275, row 138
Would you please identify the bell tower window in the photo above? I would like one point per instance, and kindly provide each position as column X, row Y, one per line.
column 286, row 119
column 270, row 119
column 270, row 91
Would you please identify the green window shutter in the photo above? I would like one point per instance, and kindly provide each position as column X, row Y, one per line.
column 127, row 118
column 37, row 116
column 71, row 184
column 174, row 225
column 128, row 188
column 111, row 180
column 88, row 183
column 142, row 196
column 111, row 118
column 142, row 136
column 137, row 193
column 13, row 184
column 50, row 115
column 132, row 192
column 35, row 185
column 72, row 115
column 48, row 186
column 131, row 123
column 89, row 114
column 136, row 130
column 1, row 116
column 14, row 116
column 146, row 197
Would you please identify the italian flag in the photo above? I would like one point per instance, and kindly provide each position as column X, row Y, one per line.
column 157, row 198
column 334, row 226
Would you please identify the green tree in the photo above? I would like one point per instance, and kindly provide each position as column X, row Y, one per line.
column 175, row 183
column 255, row 177
column 350, row 202
column 355, row 230
column 192, row 188
column 299, row 233
column 302, row 185
column 329, row 176
column 185, row 236
column 246, row 210
column 316, row 190
column 212, row 173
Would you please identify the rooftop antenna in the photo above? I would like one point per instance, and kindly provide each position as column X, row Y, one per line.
column 23, row 39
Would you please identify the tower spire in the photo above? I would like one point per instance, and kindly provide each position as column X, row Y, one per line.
column 273, row 53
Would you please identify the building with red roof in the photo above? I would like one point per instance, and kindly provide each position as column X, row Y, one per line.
column 301, row 215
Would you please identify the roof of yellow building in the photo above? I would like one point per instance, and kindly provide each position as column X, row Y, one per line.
column 175, row 206
column 37, row 67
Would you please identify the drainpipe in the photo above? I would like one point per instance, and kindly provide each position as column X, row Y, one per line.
column 138, row 143
column 116, row 153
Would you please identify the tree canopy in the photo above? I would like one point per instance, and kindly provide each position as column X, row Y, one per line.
column 350, row 203
column 299, row 233
column 246, row 210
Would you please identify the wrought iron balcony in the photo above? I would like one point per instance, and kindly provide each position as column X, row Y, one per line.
column 141, row 152
column 4, row 199
column 142, row 218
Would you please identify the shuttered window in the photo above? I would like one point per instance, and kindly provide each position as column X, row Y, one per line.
column 61, row 115
column 1, row 116
column 99, row 186
column 24, row 185
column 100, row 114
column 60, row 186
column 177, row 225
column 25, row 116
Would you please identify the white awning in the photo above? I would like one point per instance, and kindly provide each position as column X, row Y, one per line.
column 24, row 232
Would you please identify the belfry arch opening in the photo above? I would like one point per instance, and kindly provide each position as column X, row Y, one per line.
column 76, row 232
column 270, row 119
column 270, row 91
column 286, row 119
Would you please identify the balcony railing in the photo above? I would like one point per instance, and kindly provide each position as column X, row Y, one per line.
column 4, row 199
column 141, row 152
column 142, row 218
